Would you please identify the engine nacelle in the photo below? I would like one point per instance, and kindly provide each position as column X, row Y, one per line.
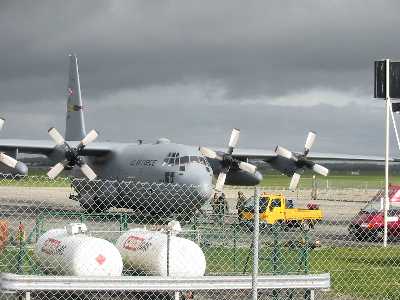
column 57, row 154
column 284, row 165
column 239, row 177
column 20, row 169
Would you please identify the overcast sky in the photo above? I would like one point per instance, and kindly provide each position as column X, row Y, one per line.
column 192, row 70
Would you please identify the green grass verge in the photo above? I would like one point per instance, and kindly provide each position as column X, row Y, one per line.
column 369, row 272
column 35, row 181
column 19, row 261
column 36, row 178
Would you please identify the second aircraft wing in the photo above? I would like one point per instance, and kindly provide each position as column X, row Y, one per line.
column 45, row 147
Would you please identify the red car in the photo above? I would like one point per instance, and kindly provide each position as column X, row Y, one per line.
column 368, row 224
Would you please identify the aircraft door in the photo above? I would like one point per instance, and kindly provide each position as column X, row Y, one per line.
column 169, row 177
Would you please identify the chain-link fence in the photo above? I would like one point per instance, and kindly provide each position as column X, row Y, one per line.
column 130, row 236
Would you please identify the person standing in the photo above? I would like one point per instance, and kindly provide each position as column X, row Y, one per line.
column 214, row 204
column 222, row 207
column 240, row 202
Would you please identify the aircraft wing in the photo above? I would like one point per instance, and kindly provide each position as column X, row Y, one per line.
column 45, row 147
column 267, row 155
column 27, row 146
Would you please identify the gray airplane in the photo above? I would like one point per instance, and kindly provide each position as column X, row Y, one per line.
column 160, row 162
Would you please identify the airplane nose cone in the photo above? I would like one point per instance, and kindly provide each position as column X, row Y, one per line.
column 198, row 176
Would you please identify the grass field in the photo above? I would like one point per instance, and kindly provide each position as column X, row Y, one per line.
column 335, row 180
column 357, row 272
column 271, row 179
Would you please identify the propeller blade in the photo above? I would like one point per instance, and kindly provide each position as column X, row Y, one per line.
column 90, row 137
column 1, row 123
column 208, row 152
column 56, row 170
column 219, row 186
column 294, row 182
column 56, row 136
column 320, row 170
column 309, row 142
column 234, row 138
column 284, row 152
column 8, row 161
column 247, row 167
column 88, row 172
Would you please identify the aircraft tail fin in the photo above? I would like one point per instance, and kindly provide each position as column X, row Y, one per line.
column 75, row 122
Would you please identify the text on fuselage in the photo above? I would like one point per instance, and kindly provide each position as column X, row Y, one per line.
column 143, row 162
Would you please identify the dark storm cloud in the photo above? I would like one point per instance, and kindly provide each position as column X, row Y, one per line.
column 254, row 48
column 352, row 128
column 191, row 70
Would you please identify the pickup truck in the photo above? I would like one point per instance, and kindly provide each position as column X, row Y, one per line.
column 275, row 208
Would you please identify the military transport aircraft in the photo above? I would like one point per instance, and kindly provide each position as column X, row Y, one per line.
column 160, row 162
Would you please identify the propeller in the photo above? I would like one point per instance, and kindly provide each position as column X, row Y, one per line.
column 300, row 160
column 8, row 160
column 72, row 155
column 227, row 160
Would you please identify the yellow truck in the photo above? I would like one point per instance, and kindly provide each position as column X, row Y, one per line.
column 275, row 208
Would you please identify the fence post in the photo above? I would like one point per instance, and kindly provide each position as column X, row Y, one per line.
column 314, row 189
column 255, row 242
column 235, row 225
column 37, row 227
column 168, row 244
column 305, row 256
column 275, row 257
column 176, row 293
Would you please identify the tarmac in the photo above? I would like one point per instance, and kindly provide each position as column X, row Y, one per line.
column 25, row 203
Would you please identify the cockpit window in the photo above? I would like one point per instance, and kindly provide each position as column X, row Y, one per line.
column 184, row 160
column 174, row 159
column 194, row 159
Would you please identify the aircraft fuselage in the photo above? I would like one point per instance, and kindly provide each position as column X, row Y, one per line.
column 166, row 165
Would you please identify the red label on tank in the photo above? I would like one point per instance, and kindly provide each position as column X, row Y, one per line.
column 133, row 242
column 52, row 246
column 100, row 259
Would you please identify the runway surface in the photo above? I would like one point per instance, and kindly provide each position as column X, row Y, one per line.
column 24, row 204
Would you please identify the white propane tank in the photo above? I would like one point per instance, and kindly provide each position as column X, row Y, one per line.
column 70, row 252
column 147, row 250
